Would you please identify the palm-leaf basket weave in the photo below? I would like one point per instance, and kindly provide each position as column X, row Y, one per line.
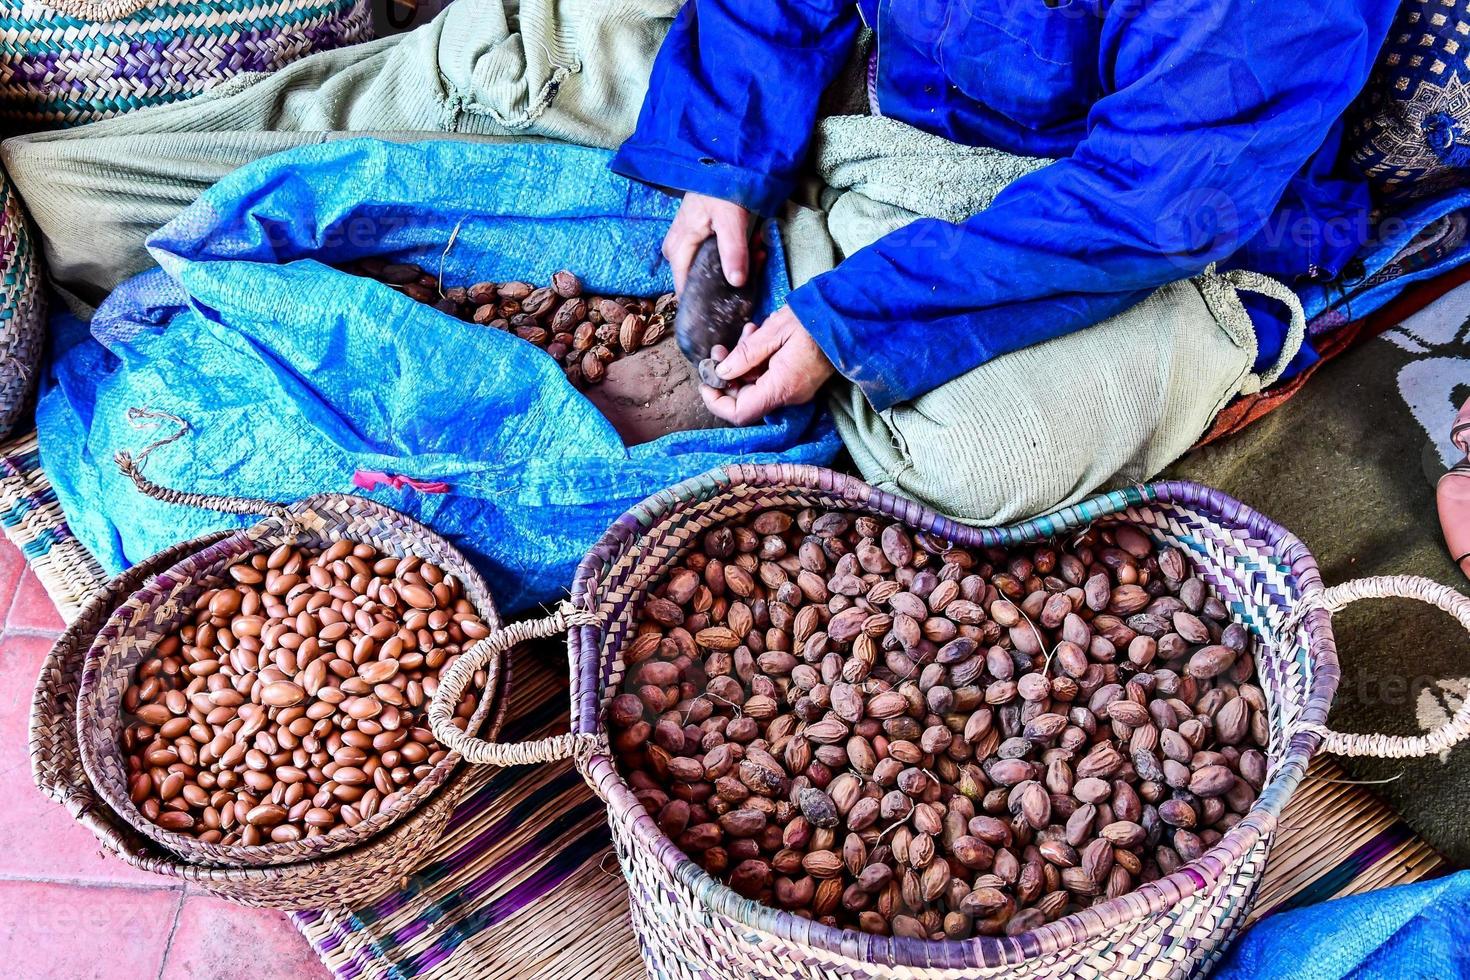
column 67, row 62
column 22, row 308
column 95, row 657
column 692, row 926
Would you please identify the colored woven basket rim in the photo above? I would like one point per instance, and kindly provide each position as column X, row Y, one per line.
column 22, row 308
column 585, row 645
column 78, row 61
column 142, row 606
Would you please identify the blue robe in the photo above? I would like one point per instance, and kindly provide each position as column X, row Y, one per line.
column 1184, row 132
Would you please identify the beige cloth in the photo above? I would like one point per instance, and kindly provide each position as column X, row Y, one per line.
column 571, row 70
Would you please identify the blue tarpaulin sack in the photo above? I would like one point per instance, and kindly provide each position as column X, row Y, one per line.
column 295, row 378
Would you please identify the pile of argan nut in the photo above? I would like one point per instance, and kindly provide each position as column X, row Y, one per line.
column 584, row 333
column 863, row 725
column 294, row 699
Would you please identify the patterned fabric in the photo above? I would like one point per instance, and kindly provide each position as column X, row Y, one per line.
column 1410, row 131
column 73, row 61
column 22, row 309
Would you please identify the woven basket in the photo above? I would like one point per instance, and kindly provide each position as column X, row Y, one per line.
column 77, row 716
column 166, row 602
column 22, row 309
column 66, row 62
column 350, row 877
column 692, row 926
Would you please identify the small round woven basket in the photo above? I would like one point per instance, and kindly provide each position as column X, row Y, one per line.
column 348, row 877
column 166, row 601
column 692, row 926
column 67, row 62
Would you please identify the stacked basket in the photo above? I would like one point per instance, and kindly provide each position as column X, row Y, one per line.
column 68, row 62
column 76, row 715
column 693, row 926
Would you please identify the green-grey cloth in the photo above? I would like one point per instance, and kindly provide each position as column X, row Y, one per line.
column 571, row 70
column 1050, row 424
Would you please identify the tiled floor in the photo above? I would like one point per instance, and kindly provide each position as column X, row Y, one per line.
column 66, row 911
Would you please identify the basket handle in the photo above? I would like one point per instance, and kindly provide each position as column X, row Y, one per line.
column 209, row 501
column 132, row 467
column 452, row 684
column 1452, row 732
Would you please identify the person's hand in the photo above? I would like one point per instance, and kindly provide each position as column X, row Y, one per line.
column 774, row 365
column 698, row 218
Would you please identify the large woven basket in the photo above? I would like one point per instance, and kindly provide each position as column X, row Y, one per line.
column 66, row 62
column 22, row 308
column 349, row 877
column 692, row 926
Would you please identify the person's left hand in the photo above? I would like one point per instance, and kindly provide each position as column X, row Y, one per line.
column 774, row 365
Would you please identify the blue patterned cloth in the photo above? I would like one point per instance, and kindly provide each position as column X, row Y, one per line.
column 1410, row 133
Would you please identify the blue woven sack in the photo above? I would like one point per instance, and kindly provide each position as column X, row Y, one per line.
column 296, row 378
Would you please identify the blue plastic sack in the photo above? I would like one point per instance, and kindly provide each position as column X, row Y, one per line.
column 1411, row 932
column 294, row 377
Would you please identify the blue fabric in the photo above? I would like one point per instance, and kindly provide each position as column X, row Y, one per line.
column 294, row 376
column 1412, row 932
column 1376, row 278
column 1184, row 133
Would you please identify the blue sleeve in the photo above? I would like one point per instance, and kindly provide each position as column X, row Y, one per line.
column 732, row 101
column 1212, row 107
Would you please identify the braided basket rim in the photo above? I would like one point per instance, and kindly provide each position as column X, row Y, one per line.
column 212, row 558
column 23, row 306
column 585, row 650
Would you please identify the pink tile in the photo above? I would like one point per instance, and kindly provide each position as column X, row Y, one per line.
column 41, row 838
column 49, row 930
column 215, row 940
column 32, row 609
column 12, row 564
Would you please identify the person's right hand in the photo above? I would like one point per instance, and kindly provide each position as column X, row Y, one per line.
column 699, row 217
